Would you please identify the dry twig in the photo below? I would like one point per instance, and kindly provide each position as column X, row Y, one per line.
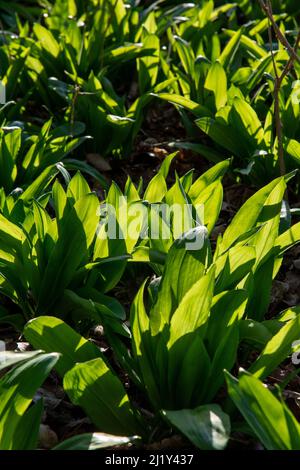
column 292, row 50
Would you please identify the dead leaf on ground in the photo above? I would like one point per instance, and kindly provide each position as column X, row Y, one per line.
column 99, row 162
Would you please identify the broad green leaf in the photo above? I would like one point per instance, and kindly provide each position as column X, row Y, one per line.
column 292, row 147
column 254, row 332
column 144, row 254
column 224, row 358
column 179, row 210
column 39, row 184
column 249, row 215
column 148, row 66
column 131, row 191
column 125, row 53
column 10, row 358
column 17, row 389
column 78, row 187
column 209, row 202
column 142, row 346
column 269, row 418
column 94, row 387
column 186, row 54
column 227, row 307
column 216, row 82
column 77, row 232
column 31, row 419
column 288, row 239
column 207, row 426
column 197, row 109
column 265, row 239
column 46, row 40
column 207, row 178
column 10, row 146
column 193, row 309
column 249, row 45
column 277, row 349
column 233, row 266
column 165, row 166
column 185, row 264
column 219, row 133
column 59, row 199
column 230, row 49
column 84, row 167
column 259, row 298
column 156, row 189
column 246, row 122
column 52, row 334
column 94, row 441
column 188, row 365
column 12, row 236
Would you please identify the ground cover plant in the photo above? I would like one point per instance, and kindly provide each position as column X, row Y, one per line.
column 149, row 225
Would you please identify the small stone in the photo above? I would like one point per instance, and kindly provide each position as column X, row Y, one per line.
column 296, row 263
column 47, row 437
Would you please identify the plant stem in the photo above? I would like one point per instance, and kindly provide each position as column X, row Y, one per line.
column 267, row 8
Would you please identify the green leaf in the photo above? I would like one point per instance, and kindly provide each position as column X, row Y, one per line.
column 188, row 365
column 144, row 254
column 52, row 334
column 224, row 358
column 255, row 333
column 184, row 266
column 197, row 109
column 10, row 358
column 148, row 66
column 94, row 387
column 249, row 215
column 126, row 53
column 17, row 389
column 259, row 298
column 94, row 441
column 227, row 307
column 277, row 349
column 249, row 45
column 12, row 236
column 245, row 120
column 193, row 310
column 233, row 266
column 142, row 345
column 230, row 49
column 10, row 146
column 216, row 82
column 265, row 239
column 209, row 202
column 83, row 167
column 207, row 426
column 219, row 133
column 78, row 187
column 46, row 40
column 292, row 147
column 165, row 166
column 59, row 199
column 206, row 179
column 30, row 420
column 39, row 184
column 269, row 418
column 156, row 189
column 186, row 54
column 77, row 232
